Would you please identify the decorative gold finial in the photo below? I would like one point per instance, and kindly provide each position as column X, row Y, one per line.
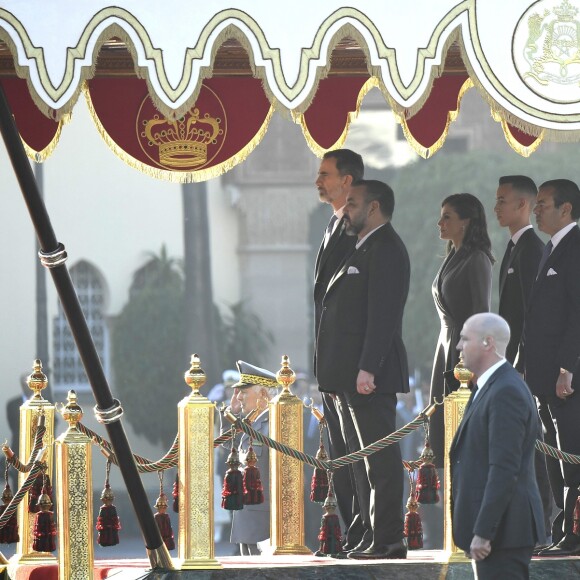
column 462, row 374
column 71, row 412
column 195, row 376
column 37, row 380
column 286, row 376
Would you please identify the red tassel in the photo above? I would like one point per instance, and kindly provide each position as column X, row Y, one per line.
column 44, row 531
column 35, row 492
column 330, row 536
column 576, row 529
column 108, row 523
column 252, row 484
column 164, row 522
column 413, row 528
column 319, row 482
column 175, row 494
column 427, row 487
column 9, row 533
column 233, row 490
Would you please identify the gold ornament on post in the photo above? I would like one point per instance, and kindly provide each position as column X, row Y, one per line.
column 287, row 473
column 75, row 496
column 30, row 411
column 454, row 408
column 195, row 475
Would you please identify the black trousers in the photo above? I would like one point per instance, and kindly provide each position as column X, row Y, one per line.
column 343, row 478
column 365, row 419
column 561, row 420
column 510, row 564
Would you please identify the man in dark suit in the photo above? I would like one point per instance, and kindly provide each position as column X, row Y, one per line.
column 515, row 199
column 551, row 348
column 496, row 507
column 360, row 356
column 338, row 170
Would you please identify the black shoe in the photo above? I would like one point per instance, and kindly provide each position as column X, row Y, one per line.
column 569, row 546
column 361, row 547
column 541, row 547
column 396, row 551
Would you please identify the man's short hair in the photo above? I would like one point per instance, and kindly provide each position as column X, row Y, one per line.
column 347, row 162
column 375, row 190
column 565, row 191
column 521, row 183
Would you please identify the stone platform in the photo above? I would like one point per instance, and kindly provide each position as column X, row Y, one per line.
column 421, row 564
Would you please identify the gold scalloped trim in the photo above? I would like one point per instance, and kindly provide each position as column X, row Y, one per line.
column 426, row 152
column 523, row 150
column 177, row 176
column 41, row 156
column 319, row 151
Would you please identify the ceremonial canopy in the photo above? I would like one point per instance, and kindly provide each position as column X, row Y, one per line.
column 185, row 90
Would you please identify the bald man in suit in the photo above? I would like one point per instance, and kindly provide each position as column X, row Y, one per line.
column 496, row 508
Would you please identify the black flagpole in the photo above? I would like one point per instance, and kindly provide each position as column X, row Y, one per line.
column 108, row 409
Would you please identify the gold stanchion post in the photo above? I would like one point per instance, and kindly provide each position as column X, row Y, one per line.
column 454, row 408
column 30, row 411
column 196, row 520
column 287, row 473
column 75, row 496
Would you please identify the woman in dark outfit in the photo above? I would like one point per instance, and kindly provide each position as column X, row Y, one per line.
column 461, row 288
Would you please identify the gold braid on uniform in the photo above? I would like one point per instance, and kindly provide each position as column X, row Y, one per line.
column 256, row 380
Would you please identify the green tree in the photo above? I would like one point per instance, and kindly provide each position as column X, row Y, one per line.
column 147, row 346
column 149, row 339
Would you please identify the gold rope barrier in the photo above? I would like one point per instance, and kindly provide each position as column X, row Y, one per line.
column 196, row 520
column 29, row 414
column 73, row 451
column 454, row 407
column 286, row 473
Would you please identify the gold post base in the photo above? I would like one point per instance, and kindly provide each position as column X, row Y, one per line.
column 290, row 550
column 3, row 560
column 199, row 564
column 33, row 559
column 160, row 558
column 458, row 557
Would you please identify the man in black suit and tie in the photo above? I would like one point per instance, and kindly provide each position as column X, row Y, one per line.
column 496, row 508
column 515, row 199
column 338, row 170
column 361, row 358
column 551, row 347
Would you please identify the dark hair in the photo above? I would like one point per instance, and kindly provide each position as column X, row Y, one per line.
column 467, row 206
column 347, row 162
column 375, row 190
column 565, row 191
column 520, row 183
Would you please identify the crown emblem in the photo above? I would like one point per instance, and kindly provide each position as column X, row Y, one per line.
column 182, row 143
column 565, row 12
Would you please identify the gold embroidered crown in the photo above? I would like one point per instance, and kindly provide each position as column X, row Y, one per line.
column 566, row 12
column 183, row 142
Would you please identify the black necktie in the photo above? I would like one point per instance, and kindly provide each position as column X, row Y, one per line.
column 505, row 261
column 329, row 229
column 547, row 251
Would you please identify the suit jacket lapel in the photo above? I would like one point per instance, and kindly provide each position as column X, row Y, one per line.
column 361, row 250
column 474, row 403
column 323, row 252
column 513, row 254
column 559, row 249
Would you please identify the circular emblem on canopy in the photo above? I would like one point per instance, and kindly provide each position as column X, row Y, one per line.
column 546, row 50
column 190, row 142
